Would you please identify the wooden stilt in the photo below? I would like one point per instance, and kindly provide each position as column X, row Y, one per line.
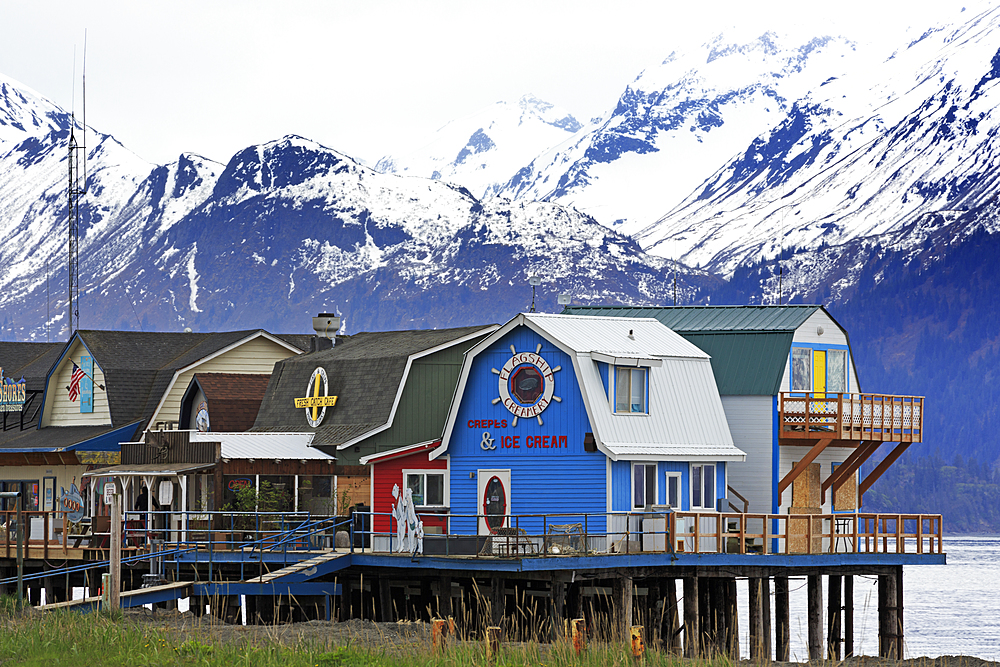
column 444, row 598
column 833, row 617
column 672, row 634
column 557, row 609
column 782, row 636
column 848, row 616
column 732, row 621
column 899, row 612
column 573, row 606
column 765, row 601
column 692, row 634
column 623, row 602
column 497, row 603
column 346, row 591
column 756, row 619
column 888, row 630
column 814, row 588
column 386, row 613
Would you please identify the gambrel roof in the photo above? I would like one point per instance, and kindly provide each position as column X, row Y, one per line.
column 749, row 345
column 685, row 420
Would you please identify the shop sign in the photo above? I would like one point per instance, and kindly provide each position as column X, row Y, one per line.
column 315, row 403
column 12, row 394
column 239, row 483
column 201, row 418
column 526, row 385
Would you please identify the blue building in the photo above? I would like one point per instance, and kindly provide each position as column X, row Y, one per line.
column 579, row 415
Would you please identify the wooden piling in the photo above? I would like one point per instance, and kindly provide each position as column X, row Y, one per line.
column 444, row 597
column 557, row 608
column 848, row 603
column 890, row 636
column 782, row 635
column 899, row 612
column 578, row 630
column 622, row 596
column 386, row 614
column 497, row 605
column 833, row 617
column 756, row 619
column 765, row 600
column 692, row 633
column 671, row 628
column 814, row 588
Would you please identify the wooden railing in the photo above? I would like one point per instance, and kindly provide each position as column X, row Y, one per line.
column 861, row 417
column 697, row 532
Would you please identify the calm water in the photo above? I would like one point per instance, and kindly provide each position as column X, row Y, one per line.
column 951, row 609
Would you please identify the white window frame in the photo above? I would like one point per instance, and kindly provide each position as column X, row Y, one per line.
column 656, row 496
column 614, row 389
column 700, row 505
column 670, row 474
column 425, row 472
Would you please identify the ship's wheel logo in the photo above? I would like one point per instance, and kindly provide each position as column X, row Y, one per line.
column 526, row 384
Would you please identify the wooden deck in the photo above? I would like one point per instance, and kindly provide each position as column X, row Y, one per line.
column 850, row 417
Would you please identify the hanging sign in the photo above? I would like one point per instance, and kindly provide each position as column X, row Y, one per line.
column 109, row 492
column 314, row 402
column 526, row 384
column 12, row 394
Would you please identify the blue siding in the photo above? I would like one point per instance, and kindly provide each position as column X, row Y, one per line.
column 621, row 486
column 684, row 468
column 720, row 480
column 544, row 479
column 602, row 368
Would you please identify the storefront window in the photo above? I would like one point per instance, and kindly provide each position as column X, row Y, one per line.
column 316, row 495
column 427, row 488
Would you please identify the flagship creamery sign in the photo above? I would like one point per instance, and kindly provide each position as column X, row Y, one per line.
column 12, row 394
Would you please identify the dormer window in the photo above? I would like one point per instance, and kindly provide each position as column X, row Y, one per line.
column 630, row 390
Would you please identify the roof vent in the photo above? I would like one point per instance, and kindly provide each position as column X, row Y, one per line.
column 630, row 334
column 326, row 326
column 819, row 331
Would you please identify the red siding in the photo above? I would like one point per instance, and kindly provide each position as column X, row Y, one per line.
column 390, row 472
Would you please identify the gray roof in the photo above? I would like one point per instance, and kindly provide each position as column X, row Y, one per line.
column 138, row 366
column 32, row 361
column 365, row 371
column 56, row 437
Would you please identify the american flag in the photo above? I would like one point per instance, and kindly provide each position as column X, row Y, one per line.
column 74, row 382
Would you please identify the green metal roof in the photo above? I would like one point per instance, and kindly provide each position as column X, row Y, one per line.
column 714, row 319
column 749, row 345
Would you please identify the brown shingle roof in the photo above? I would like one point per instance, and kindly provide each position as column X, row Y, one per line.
column 233, row 398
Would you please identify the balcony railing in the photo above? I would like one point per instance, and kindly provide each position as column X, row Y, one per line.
column 861, row 417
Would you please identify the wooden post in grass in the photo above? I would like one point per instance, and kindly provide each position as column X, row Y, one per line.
column 115, row 566
column 578, row 629
column 439, row 634
column 492, row 642
column 635, row 640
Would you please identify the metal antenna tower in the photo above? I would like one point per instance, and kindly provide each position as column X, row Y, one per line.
column 77, row 188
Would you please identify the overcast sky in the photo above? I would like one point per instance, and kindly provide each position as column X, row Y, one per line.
column 366, row 77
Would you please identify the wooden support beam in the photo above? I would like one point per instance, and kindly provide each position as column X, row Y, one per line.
column 833, row 618
column 756, row 617
column 848, row 467
column 782, row 635
column 444, row 597
column 765, row 600
column 557, row 610
column 692, row 633
column 623, row 601
column 899, row 612
column 497, row 603
column 816, row 450
column 386, row 614
column 882, row 467
column 814, row 587
column 848, row 616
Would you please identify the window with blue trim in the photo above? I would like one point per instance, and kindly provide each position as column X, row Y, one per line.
column 630, row 390
column 703, row 486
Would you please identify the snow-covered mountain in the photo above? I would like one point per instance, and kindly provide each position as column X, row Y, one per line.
column 677, row 122
column 282, row 231
column 886, row 152
column 481, row 150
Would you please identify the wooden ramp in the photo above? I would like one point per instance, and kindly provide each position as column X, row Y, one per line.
column 135, row 598
column 305, row 570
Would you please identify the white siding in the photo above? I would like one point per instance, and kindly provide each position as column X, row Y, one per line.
column 792, row 453
column 832, row 335
column 258, row 355
column 59, row 410
column 751, row 424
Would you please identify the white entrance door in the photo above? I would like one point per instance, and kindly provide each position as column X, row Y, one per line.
column 494, row 499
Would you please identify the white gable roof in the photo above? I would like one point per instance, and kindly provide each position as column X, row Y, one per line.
column 263, row 445
column 685, row 420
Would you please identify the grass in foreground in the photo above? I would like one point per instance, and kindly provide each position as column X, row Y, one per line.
column 72, row 638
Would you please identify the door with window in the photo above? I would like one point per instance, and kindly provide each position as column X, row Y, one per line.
column 493, row 487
